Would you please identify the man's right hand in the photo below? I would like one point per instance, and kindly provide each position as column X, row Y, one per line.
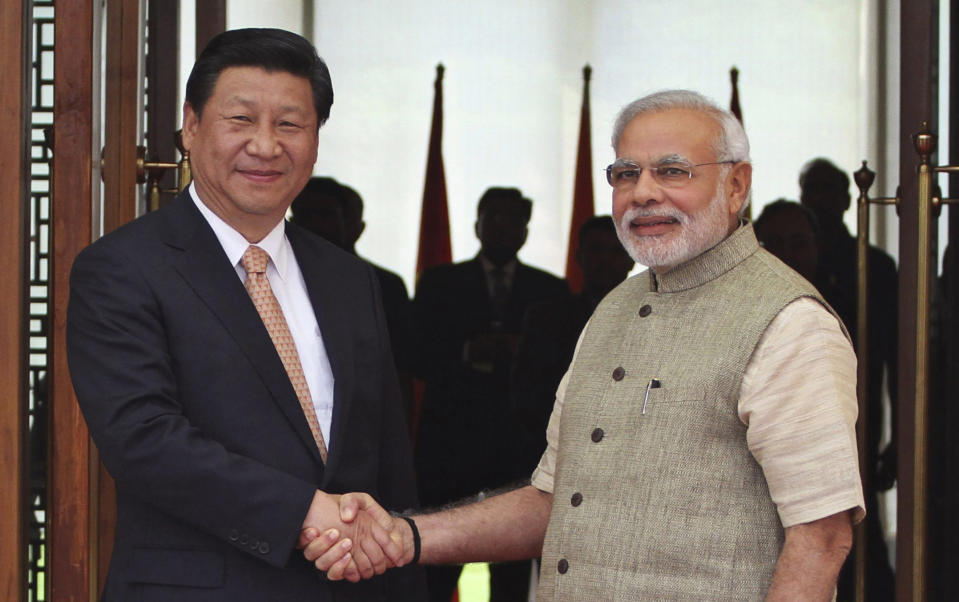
column 332, row 554
column 367, row 533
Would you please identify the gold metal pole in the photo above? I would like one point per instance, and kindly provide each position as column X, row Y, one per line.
column 184, row 173
column 864, row 179
column 925, row 144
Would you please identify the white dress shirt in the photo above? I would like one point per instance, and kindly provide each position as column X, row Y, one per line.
column 288, row 286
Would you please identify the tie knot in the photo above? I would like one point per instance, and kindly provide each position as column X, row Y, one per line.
column 254, row 260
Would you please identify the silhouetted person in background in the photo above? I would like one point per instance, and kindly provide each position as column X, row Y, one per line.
column 551, row 329
column 825, row 190
column 335, row 211
column 790, row 231
column 468, row 317
column 944, row 421
column 319, row 209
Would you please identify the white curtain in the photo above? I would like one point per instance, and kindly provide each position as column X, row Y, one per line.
column 513, row 89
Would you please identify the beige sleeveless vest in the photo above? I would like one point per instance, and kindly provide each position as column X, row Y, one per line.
column 668, row 504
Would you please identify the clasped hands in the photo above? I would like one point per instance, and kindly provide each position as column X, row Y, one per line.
column 352, row 537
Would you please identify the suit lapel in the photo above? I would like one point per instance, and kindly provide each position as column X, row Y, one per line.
column 205, row 267
column 478, row 290
column 332, row 311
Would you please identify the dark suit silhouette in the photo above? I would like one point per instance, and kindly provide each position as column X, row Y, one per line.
column 334, row 211
column 550, row 331
column 396, row 308
column 467, row 442
column 464, row 443
column 197, row 421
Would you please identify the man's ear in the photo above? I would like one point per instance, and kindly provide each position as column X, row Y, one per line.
column 191, row 121
column 738, row 181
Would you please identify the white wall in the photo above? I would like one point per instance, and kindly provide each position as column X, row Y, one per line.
column 513, row 87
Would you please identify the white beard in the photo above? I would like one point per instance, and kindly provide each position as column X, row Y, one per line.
column 698, row 233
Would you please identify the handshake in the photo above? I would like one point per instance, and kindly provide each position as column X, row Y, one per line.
column 352, row 537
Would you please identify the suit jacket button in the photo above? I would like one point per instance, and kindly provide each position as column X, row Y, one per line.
column 577, row 499
column 645, row 311
column 234, row 535
column 244, row 539
column 619, row 373
column 597, row 435
column 562, row 566
column 254, row 544
column 264, row 548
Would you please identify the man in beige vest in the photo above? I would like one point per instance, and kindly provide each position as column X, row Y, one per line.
column 702, row 444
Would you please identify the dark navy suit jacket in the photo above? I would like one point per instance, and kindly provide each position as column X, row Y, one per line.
column 196, row 420
column 468, row 440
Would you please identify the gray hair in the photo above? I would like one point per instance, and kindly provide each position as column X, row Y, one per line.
column 730, row 145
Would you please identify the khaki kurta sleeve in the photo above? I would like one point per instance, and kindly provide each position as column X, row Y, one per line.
column 543, row 474
column 798, row 400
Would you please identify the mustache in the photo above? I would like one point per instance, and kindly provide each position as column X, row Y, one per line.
column 638, row 212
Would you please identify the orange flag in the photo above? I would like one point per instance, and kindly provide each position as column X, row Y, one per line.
column 583, row 207
column 434, row 244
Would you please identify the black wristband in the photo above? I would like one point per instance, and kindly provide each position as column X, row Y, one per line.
column 416, row 539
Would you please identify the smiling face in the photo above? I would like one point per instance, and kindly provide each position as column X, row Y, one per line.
column 253, row 148
column 662, row 227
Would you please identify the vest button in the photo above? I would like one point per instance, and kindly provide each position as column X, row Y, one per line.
column 597, row 435
column 577, row 499
column 619, row 373
column 562, row 566
column 645, row 311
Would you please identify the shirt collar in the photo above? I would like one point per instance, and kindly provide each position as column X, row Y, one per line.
column 509, row 268
column 711, row 264
column 235, row 245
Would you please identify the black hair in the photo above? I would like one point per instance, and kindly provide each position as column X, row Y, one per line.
column 825, row 171
column 512, row 194
column 316, row 187
column 596, row 222
column 782, row 205
column 270, row 49
column 349, row 200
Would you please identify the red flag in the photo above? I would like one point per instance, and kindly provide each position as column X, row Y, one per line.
column 583, row 207
column 434, row 246
column 734, row 107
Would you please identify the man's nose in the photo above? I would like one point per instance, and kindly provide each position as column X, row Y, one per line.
column 646, row 190
column 264, row 142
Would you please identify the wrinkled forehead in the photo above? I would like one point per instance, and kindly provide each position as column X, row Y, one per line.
column 657, row 137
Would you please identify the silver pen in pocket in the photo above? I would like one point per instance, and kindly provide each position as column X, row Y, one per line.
column 653, row 384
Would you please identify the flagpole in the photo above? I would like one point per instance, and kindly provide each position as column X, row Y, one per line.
column 737, row 110
column 434, row 243
column 583, row 204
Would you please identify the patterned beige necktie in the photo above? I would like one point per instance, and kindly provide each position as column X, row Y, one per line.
column 258, row 285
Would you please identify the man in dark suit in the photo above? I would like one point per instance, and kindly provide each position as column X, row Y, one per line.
column 335, row 211
column 468, row 317
column 551, row 329
column 231, row 418
column 824, row 188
